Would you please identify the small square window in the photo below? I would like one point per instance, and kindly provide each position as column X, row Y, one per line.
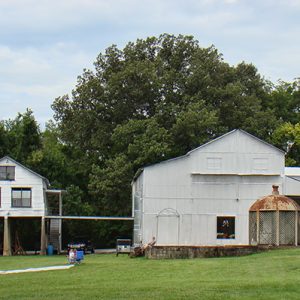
column 225, row 227
column 7, row 172
column 260, row 163
column 214, row 163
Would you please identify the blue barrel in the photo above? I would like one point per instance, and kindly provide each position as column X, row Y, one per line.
column 50, row 250
column 79, row 255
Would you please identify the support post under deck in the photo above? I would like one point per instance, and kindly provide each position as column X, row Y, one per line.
column 43, row 237
column 6, row 237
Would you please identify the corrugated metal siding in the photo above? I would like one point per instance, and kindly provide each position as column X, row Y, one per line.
column 292, row 185
column 235, row 154
column 138, row 209
column 185, row 185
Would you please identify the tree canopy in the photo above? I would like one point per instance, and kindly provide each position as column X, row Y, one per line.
column 157, row 98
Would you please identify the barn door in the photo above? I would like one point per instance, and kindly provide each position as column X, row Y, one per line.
column 168, row 227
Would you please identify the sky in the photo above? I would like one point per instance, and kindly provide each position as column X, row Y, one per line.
column 46, row 44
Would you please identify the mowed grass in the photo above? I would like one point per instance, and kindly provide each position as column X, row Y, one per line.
column 270, row 275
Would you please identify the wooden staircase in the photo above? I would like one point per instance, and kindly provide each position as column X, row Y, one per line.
column 55, row 234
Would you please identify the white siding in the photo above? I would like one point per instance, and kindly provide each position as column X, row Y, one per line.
column 221, row 178
column 23, row 179
column 237, row 153
column 137, row 188
column 292, row 181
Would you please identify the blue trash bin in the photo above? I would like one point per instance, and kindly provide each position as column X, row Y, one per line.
column 50, row 250
column 79, row 256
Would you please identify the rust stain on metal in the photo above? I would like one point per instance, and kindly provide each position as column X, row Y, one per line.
column 275, row 202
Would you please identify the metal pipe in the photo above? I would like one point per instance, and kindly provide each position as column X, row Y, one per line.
column 90, row 218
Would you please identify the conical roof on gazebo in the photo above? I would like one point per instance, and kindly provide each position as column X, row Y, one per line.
column 275, row 202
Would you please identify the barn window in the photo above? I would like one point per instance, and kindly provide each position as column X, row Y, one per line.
column 214, row 163
column 225, row 227
column 260, row 163
column 21, row 197
column 7, row 173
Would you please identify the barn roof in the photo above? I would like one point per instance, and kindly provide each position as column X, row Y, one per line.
column 140, row 170
column 232, row 132
column 22, row 166
column 292, row 171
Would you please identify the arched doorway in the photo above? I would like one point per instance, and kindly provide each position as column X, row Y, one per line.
column 168, row 227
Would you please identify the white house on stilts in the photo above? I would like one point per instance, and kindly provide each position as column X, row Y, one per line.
column 25, row 194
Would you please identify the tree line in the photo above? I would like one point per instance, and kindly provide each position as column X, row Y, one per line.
column 155, row 99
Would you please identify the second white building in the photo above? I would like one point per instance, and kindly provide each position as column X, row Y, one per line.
column 203, row 197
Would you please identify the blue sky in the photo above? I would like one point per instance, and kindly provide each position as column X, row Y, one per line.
column 46, row 44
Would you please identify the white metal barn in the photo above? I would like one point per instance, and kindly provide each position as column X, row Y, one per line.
column 203, row 197
column 25, row 194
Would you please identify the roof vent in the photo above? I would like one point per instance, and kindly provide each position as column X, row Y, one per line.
column 275, row 189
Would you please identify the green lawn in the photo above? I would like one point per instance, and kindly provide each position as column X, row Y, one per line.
column 270, row 275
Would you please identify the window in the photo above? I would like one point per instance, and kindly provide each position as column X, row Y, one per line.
column 21, row 197
column 214, row 163
column 225, row 227
column 260, row 163
column 7, row 173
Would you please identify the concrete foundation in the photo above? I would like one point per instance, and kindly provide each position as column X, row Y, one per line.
column 173, row 252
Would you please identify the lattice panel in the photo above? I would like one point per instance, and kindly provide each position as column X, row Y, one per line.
column 287, row 227
column 252, row 228
column 267, row 227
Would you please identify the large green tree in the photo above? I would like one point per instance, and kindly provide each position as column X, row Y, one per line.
column 154, row 99
column 3, row 139
column 20, row 136
column 287, row 137
column 284, row 99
